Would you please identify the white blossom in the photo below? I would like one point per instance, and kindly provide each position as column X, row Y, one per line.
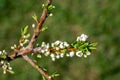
column 53, row 58
column 38, row 56
column 53, row 6
column 43, row 5
column 33, row 25
column 66, row 44
column 4, row 72
column 88, row 53
column 47, row 46
column 57, row 48
column 47, row 53
column 61, row 46
column 83, row 37
column 57, row 42
column 42, row 51
column 62, row 55
column 50, row 14
column 52, row 55
column 57, row 56
column 4, row 51
column 21, row 44
column 46, row 50
column 71, row 54
column 2, row 62
column 79, row 53
column 10, row 68
column 12, row 47
column 67, row 55
column 26, row 41
column 52, row 44
column 24, row 36
column 85, row 56
column 43, row 44
column 0, row 52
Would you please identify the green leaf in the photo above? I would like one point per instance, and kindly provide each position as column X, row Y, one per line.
column 86, row 44
column 93, row 44
column 83, row 46
column 73, row 44
column 37, row 44
column 38, row 56
column 92, row 48
column 43, row 78
column 45, row 69
column 3, row 56
column 55, row 75
column 35, row 17
column 50, row 7
column 10, row 71
column 27, row 35
column 63, row 51
column 44, row 28
column 76, row 44
column 24, row 31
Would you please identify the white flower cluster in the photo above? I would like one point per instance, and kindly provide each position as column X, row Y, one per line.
column 43, row 5
column 14, row 47
column 25, row 41
column 54, row 50
column 3, row 52
column 82, row 37
column 59, row 49
column 50, row 6
column 45, row 48
column 78, row 54
column 5, row 65
column 21, row 43
column 69, row 54
column 59, row 45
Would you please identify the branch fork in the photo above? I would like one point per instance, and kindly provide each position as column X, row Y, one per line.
column 29, row 49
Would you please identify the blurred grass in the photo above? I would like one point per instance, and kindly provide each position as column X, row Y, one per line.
column 99, row 19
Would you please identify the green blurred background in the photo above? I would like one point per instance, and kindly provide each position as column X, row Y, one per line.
column 100, row 19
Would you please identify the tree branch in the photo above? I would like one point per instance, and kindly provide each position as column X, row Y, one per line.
column 25, row 51
column 39, row 26
column 37, row 67
column 36, row 33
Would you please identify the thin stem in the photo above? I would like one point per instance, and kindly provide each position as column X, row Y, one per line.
column 39, row 26
column 37, row 67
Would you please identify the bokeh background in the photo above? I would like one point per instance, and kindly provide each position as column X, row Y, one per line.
column 100, row 19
